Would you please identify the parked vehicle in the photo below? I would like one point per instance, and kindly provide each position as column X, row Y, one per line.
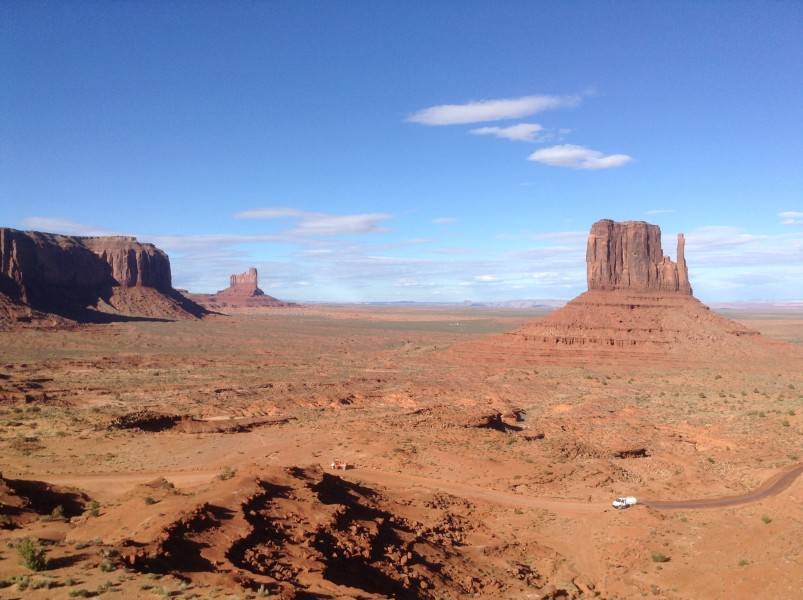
column 339, row 464
column 624, row 502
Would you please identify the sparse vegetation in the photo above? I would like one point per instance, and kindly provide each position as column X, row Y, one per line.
column 585, row 422
column 226, row 473
column 107, row 565
column 32, row 554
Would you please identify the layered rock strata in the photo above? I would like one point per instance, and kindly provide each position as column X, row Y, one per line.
column 638, row 311
column 70, row 275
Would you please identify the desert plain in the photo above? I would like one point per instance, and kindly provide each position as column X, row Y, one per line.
column 192, row 459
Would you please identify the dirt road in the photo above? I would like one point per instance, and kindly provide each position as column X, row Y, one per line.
column 772, row 486
column 122, row 482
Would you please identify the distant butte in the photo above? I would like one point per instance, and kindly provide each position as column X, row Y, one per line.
column 244, row 285
column 242, row 295
column 639, row 311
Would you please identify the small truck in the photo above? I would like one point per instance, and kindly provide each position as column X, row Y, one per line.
column 624, row 502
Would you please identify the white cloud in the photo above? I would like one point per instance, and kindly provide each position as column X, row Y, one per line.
column 791, row 218
column 62, row 226
column 660, row 211
column 578, row 157
column 279, row 212
column 523, row 132
column 490, row 110
column 320, row 224
column 568, row 237
column 443, row 220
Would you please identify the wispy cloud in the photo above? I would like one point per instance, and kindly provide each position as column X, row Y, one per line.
column 522, row 132
column 490, row 110
column 660, row 211
column 315, row 224
column 444, row 220
column 791, row 218
column 578, row 157
column 62, row 226
column 567, row 237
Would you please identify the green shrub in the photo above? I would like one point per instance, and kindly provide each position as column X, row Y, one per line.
column 31, row 554
column 106, row 565
column 767, row 519
column 226, row 473
column 659, row 557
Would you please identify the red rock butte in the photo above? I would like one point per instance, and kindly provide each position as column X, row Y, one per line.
column 242, row 295
column 244, row 285
column 639, row 311
column 628, row 256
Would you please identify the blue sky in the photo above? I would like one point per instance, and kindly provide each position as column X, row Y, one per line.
column 428, row 151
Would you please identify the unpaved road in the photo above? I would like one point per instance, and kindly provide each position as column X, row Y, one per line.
column 122, row 482
column 772, row 486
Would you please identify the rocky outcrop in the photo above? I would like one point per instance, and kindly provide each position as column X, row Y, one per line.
column 69, row 275
column 242, row 296
column 244, row 285
column 639, row 311
column 628, row 256
column 132, row 264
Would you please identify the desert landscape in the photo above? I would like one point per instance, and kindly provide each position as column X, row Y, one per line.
column 158, row 443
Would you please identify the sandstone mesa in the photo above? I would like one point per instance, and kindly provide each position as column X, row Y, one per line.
column 86, row 278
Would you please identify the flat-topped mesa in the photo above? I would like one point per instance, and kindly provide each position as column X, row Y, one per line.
column 628, row 257
column 78, row 276
column 243, row 285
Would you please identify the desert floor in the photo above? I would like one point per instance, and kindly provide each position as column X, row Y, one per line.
column 192, row 459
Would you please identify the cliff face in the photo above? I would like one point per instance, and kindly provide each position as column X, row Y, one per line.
column 132, row 264
column 66, row 275
column 628, row 257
